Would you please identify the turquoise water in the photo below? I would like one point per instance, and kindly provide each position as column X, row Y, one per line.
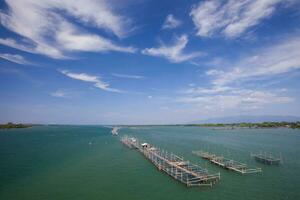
column 86, row 162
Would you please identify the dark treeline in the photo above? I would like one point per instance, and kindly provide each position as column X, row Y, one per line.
column 12, row 125
column 253, row 125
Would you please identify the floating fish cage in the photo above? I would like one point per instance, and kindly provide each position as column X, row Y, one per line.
column 175, row 166
column 267, row 159
column 227, row 163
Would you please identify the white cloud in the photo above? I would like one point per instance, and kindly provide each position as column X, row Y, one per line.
column 97, row 13
column 72, row 39
column 171, row 22
column 14, row 58
column 203, row 90
column 130, row 76
column 227, row 91
column 92, row 79
column 243, row 99
column 33, row 48
column 174, row 52
column 46, row 31
column 58, row 93
column 213, row 72
column 273, row 60
column 231, row 18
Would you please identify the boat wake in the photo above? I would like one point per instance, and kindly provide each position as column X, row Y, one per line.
column 114, row 131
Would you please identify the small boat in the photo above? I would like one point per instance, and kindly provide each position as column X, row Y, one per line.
column 114, row 131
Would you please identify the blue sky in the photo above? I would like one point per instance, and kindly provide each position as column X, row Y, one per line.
column 147, row 62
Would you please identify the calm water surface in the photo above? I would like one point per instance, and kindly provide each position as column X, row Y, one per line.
column 86, row 162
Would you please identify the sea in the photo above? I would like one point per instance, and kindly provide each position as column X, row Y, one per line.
column 86, row 162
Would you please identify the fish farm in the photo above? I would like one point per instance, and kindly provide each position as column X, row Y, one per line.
column 175, row 166
column 267, row 159
column 227, row 163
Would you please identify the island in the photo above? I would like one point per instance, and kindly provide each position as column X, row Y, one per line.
column 12, row 125
column 293, row 125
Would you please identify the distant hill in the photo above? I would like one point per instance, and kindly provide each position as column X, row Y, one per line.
column 246, row 118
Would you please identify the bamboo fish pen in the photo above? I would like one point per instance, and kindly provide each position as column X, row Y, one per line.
column 267, row 159
column 227, row 163
column 181, row 170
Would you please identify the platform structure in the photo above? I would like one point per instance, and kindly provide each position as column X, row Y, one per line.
column 267, row 159
column 227, row 163
column 175, row 166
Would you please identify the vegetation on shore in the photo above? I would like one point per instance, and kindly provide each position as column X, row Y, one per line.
column 253, row 125
column 12, row 125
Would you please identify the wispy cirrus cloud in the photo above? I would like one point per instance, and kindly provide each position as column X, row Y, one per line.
column 171, row 22
column 237, row 99
column 14, row 58
column 129, row 76
column 273, row 60
column 45, row 30
column 173, row 52
column 96, row 80
column 228, row 89
column 58, row 93
column 206, row 91
column 231, row 18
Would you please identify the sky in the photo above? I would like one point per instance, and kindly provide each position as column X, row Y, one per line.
column 147, row 62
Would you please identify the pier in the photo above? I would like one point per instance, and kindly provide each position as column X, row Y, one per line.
column 227, row 163
column 175, row 166
column 267, row 159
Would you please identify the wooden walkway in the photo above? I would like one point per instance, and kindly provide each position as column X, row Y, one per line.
column 227, row 163
column 181, row 170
